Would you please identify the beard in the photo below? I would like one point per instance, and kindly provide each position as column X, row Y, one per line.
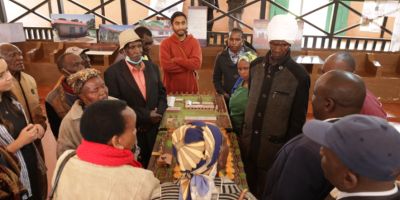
column 181, row 32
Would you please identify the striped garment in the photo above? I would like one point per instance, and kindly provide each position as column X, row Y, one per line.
column 226, row 190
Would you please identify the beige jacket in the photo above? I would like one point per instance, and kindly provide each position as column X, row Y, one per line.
column 84, row 180
column 27, row 95
column 69, row 136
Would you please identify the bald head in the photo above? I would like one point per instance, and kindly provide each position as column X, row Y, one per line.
column 339, row 61
column 338, row 93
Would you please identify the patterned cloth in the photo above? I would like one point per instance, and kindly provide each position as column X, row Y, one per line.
column 78, row 80
column 197, row 146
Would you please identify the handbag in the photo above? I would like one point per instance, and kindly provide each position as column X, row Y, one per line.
column 58, row 175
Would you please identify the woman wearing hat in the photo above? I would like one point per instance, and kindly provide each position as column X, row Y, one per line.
column 17, row 136
column 89, row 87
column 240, row 92
column 200, row 150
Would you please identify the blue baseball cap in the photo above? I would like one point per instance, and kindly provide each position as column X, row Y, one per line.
column 367, row 145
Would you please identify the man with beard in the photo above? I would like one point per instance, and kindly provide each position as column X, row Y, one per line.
column 180, row 56
column 277, row 105
column 138, row 82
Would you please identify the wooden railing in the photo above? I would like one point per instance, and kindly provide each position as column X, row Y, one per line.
column 219, row 39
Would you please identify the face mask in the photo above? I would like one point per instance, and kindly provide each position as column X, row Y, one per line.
column 134, row 62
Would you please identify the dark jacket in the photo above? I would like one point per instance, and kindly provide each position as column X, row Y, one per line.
column 121, row 85
column 297, row 173
column 276, row 112
column 225, row 72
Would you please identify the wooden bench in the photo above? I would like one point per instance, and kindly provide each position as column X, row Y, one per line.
column 390, row 63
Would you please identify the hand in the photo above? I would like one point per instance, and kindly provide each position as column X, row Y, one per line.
column 155, row 117
column 40, row 130
column 27, row 135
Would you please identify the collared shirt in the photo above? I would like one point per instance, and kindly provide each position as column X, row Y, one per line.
column 368, row 194
column 138, row 76
column 235, row 56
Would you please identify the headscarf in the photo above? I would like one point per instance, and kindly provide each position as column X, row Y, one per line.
column 196, row 147
column 78, row 80
column 247, row 56
column 282, row 27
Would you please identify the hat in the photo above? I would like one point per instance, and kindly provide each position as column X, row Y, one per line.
column 367, row 145
column 196, row 146
column 78, row 79
column 282, row 27
column 248, row 56
column 126, row 36
column 76, row 50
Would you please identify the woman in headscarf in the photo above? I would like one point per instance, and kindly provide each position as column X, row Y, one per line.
column 104, row 168
column 200, row 150
column 17, row 136
column 240, row 92
column 89, row 87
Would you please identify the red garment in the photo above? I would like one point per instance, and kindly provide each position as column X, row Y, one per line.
column 179, row 60
column 138, row 76
column 67, row 87
column 372, row 106
column 105, row 155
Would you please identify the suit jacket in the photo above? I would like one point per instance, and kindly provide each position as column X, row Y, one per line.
column 121, row 85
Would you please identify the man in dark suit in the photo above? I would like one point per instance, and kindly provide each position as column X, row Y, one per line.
column 138, row 82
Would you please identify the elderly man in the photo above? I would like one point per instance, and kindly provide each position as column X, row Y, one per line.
column 180, row 57
column 296, row 172
column 225, row 69
column 360, row 156
column 82, row 53
column 277, row 105
column 25, row 88
column 61, row 97
column 344, row 61
column 138, row 82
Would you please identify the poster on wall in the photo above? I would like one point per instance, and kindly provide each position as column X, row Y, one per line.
column 160, row 29
column 162, row 4
column 395, row 43
column 108, row 33
column 299, row 38
column 197, row 23
column 372, row 18
column 73, row 28
column 12, row 32
column 260, row 38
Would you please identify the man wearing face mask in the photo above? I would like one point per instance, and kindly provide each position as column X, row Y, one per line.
column 180, row 56
column 61, row 97
column 138, row 82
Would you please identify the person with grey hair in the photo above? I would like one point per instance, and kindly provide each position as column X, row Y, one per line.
column 344, row 61
column 297, row 173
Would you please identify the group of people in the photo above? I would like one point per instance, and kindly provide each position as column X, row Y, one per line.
column 106, row 129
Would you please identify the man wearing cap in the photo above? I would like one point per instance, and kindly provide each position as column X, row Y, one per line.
column 344, row 61
column 138, row 82
column 62, row 97
column 80, row 52
column 180, row 57
column 277, row 105
column 360, row 156
column 296, row 172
